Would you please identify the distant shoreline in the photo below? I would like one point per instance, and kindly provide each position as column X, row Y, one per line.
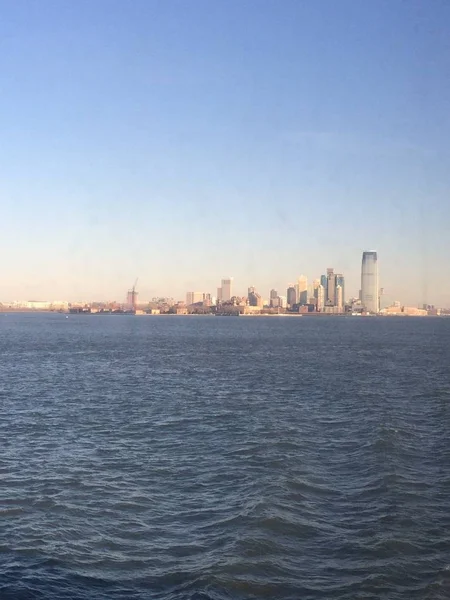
column 240, row 315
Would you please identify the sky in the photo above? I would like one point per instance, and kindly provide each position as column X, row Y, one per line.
column 184, row 142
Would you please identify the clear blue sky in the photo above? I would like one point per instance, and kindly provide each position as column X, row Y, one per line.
column 183, row 142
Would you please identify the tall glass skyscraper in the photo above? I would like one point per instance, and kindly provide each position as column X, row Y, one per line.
column 340, row 280
column 323, row 283
column 369, row 282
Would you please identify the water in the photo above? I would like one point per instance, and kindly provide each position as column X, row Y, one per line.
column 212, row 458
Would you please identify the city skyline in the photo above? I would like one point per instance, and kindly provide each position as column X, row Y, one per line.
column 300, row 290
column 327, row 293
column 257, row 139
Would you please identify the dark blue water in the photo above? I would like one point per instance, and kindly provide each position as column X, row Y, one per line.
column 213, row 458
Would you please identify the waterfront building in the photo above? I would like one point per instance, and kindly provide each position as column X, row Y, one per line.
column 273, row 298
column 207, row 300
column 302, row 287
column 323, row 283
column 339, row 298
column 320, row 298
column 282, row 301
column 330, row 299
column 132, row 296
column 254, row 299
column 291, row 295
column 194, row 297
column 227, row 289
column 369, row 282
column 340, row 280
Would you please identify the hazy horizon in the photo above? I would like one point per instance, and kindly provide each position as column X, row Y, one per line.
column 182, row 143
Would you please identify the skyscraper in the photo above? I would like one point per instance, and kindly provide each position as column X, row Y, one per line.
column 323, row 283
column 254, row 299
column 132, row 299
column 282, row 301
column 369, row 282
column 227, row 289
column 331, row 288
column 303, row 289
column 339, row 298
column 340, row 280
column 291, row 295
column 320, row 298
column 273, row 298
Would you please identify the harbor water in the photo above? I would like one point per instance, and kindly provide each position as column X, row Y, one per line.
column 200, row 458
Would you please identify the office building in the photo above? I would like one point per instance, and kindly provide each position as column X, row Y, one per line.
column 194, row 297
column 254, row 299
column 330, row 299
column 323, row 283
column 339, row 298
column 273, row 298
column 369, row 282
column 302, row 287
column 320, row 298
column 340, row 280
column 227, row 289
column 207, row 300
column 291, row 295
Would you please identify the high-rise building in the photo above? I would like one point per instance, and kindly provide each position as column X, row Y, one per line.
column 132, row 296
column 207, row 300
column 323, row 283
column 339, row 298
column 194, row 297
column 330, row 299
column 291, row 295
column 320, row 298
column 302, row 287
column 273, row 298
column 227, row 289
column 340, row 280
column 219, row 294
column 369, row 282
column 254, row 299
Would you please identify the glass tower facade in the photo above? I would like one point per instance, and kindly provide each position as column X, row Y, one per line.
column 369, row 282
column 291, row 294
column 340, row 280
column 323, row 283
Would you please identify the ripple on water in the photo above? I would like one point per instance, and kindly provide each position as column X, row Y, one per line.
column 210, row 459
